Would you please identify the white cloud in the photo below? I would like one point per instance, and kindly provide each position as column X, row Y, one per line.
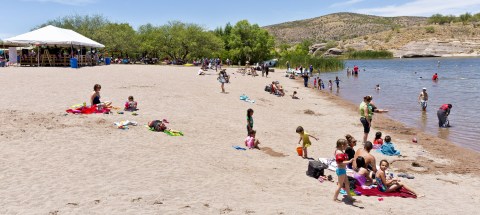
column 425, row 8
column 347, row 3
column 66, row 2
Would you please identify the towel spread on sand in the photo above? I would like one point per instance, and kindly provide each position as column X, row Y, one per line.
column 332, row 164
column 125, row 124
column 404, row 193
column 246, row 99
column 87, row 110
column 169, row 132
column 388, row 149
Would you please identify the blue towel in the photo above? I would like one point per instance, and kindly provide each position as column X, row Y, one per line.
column 239, row 148
column 389, row 149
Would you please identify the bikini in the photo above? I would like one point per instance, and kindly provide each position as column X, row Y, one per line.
column 340, row 158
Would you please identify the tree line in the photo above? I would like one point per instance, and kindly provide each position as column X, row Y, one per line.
column 465, row 18
column 175, row 40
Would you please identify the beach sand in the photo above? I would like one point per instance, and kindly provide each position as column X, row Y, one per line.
column 52, row 163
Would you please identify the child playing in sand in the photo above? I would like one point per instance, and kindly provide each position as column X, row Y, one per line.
column 342, row 160
column 330, row 84
column 391, row 184
column 305, row 137
column 158, row 125
column 130, row 105
column 294, row 96
column 378, row 141
column 251, row 142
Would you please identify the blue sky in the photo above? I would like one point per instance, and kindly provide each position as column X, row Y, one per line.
column 20, row 16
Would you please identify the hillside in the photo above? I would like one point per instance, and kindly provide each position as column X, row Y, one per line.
column 422, row 41
column 339, row 26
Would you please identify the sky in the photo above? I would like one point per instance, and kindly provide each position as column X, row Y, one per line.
column 20, row 16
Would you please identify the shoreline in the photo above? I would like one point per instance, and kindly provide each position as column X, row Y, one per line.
column 442, row 149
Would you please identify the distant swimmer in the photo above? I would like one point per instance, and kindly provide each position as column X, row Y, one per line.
column 423, row 98
column 420, row 77
column 438, row 64
column 435, row 77
column 377, row 87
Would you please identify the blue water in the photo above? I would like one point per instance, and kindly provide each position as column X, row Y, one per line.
column 400, row 83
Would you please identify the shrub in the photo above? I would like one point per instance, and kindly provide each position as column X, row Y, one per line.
column 430, row 29
column 369, row 54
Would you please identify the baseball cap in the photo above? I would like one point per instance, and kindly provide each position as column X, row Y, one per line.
column 425, row 88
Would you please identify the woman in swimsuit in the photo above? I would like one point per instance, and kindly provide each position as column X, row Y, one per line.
column 95, row 97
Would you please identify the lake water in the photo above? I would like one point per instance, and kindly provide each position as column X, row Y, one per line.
column 400, row 83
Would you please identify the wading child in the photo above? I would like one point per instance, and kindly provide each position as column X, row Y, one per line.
column 314, row 83
column 330, row 84
column 342, row 160
column 305, row 137
column 130, row 105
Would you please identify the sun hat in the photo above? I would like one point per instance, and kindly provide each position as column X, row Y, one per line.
column 425, row 88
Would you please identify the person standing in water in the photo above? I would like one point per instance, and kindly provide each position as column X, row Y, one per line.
column 423, row 98
column 435, row 77
column 442, row 115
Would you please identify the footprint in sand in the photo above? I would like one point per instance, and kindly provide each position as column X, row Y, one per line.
column 72, row 204
column 137, row 199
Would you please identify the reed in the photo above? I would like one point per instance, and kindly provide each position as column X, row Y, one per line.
column 323, row 64
column 369, row 54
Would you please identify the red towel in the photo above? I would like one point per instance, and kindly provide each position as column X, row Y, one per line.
column 404, row 193
column 88, row 110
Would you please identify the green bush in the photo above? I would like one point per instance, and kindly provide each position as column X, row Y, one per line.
column 369, row 54
column 430, row 29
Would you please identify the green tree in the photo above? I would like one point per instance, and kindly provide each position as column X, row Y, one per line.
column 250, row 42
column 118, row 37
column 182, row 41
column 465, row 18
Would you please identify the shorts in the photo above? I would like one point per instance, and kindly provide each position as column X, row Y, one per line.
column 366, row 126
column 341, row 171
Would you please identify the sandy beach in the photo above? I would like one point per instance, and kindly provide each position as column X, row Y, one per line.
column 53, row 163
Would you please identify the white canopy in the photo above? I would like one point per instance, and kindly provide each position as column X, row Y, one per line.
column 51, row 35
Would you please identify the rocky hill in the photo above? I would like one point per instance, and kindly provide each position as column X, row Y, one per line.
column 404, row 36
column 339, row 26
column 421, row 41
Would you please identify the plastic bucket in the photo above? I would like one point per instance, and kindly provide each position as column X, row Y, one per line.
column 300, row 151
column 107, row 61
column 73, row 63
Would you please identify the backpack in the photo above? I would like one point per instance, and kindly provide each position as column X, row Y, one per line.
column 268, row 88
column 316, row 169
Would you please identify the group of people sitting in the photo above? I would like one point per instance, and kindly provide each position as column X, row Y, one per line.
column 275, row 88
column 365, row 168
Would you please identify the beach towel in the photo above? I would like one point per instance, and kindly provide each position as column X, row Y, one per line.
column 388, row 149
column 169, row 132
column 125, row 124
column 173, row 133
column 246, row 99
column 87, row 110
column 332, row 165
column 404, row 193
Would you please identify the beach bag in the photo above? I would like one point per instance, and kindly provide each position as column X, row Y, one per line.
column 268, row 88
column 316, row 169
